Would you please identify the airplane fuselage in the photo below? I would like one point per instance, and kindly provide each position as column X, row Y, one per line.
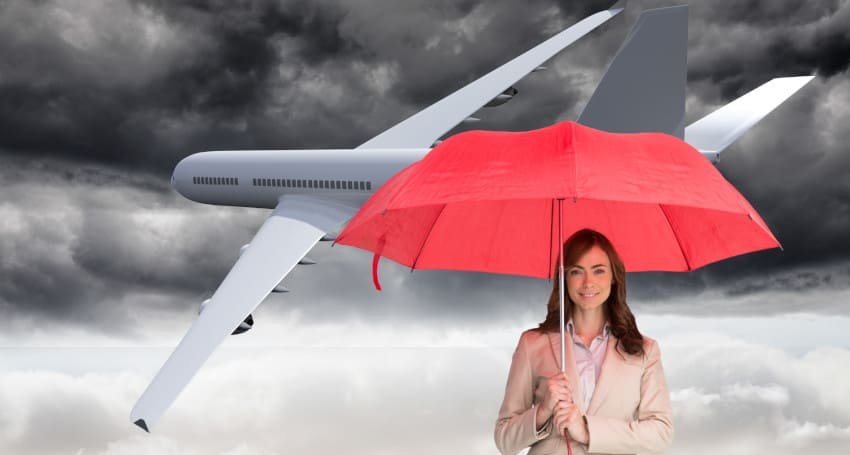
column 258, row 178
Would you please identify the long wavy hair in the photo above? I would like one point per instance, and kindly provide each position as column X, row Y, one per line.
column 623, row 325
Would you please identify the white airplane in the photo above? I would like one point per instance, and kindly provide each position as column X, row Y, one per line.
column 314, row 192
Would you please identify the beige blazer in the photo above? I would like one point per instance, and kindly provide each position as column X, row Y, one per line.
column 629, row 412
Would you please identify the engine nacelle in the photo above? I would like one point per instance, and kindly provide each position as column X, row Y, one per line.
column 503, row 98
column 304, row 261
column 243, row 326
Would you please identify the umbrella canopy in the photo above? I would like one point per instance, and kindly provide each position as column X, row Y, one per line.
column 493, row 201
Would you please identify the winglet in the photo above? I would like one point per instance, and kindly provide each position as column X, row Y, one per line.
column 716, row 131
column 618, row 7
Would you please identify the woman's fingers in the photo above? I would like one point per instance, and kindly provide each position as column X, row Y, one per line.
column 563, row 415
column 562, row 378
column 561, row 393
column 554, row 389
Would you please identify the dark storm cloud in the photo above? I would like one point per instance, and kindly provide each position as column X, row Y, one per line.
column 77, row 241
column 111, row 90
column 735, row 46
column 149, row 82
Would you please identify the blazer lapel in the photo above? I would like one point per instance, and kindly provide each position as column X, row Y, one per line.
column 570, row 364
column 607, row 375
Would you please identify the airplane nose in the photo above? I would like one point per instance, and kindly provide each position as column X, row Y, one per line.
column 179, row 175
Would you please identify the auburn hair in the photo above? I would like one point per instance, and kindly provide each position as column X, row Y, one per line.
column 620, row 317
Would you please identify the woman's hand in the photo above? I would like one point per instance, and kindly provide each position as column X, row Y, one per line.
column 554, row 389
column 569, row 419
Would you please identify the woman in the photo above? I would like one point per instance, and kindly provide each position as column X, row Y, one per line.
column 613, row 398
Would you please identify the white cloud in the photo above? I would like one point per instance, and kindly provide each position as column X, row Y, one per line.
column 730, row 394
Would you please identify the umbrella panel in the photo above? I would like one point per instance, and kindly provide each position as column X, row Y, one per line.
column 518, row 237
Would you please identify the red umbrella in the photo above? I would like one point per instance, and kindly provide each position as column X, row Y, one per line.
column 504, row 202
column 489, row 201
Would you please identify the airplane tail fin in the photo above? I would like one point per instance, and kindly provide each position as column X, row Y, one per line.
column 644, row 86
column 716, row 131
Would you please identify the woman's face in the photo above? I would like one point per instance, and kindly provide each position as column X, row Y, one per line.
column 589, row 280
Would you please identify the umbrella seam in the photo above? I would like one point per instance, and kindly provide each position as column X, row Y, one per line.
column 575, row 160
column 428, row 236
column 676, row 236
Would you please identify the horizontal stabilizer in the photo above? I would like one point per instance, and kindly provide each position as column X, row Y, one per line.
column 716, row 131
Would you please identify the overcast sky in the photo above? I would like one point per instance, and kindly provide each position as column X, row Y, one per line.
column 103, row 265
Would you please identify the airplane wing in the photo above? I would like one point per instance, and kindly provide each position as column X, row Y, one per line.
column 297, row 223
column 293, row 228
column 716, row 131
column 426, row 126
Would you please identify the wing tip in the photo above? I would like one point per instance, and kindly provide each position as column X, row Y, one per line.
column 617, row 7
column 141, row 424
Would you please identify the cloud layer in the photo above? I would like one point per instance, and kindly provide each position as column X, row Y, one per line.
column 729, row 394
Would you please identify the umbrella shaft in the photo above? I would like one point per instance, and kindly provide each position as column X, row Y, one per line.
column 561, row 278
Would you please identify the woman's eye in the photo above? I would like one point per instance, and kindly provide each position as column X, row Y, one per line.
column 599, row 271
column 574, row 272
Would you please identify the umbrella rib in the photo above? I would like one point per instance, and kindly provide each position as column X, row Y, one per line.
column 676, row 236
column 427, row 236
column 551, row 233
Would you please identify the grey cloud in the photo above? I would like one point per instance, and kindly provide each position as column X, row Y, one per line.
column 144, row 83
column 78, row 240
column 740, row 45
column 109, row 82
column 311, row 73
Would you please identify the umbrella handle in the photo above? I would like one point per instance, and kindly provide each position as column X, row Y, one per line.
column 377, row 257
column 375, row 260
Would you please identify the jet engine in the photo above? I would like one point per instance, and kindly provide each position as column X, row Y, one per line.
column 503, row 98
